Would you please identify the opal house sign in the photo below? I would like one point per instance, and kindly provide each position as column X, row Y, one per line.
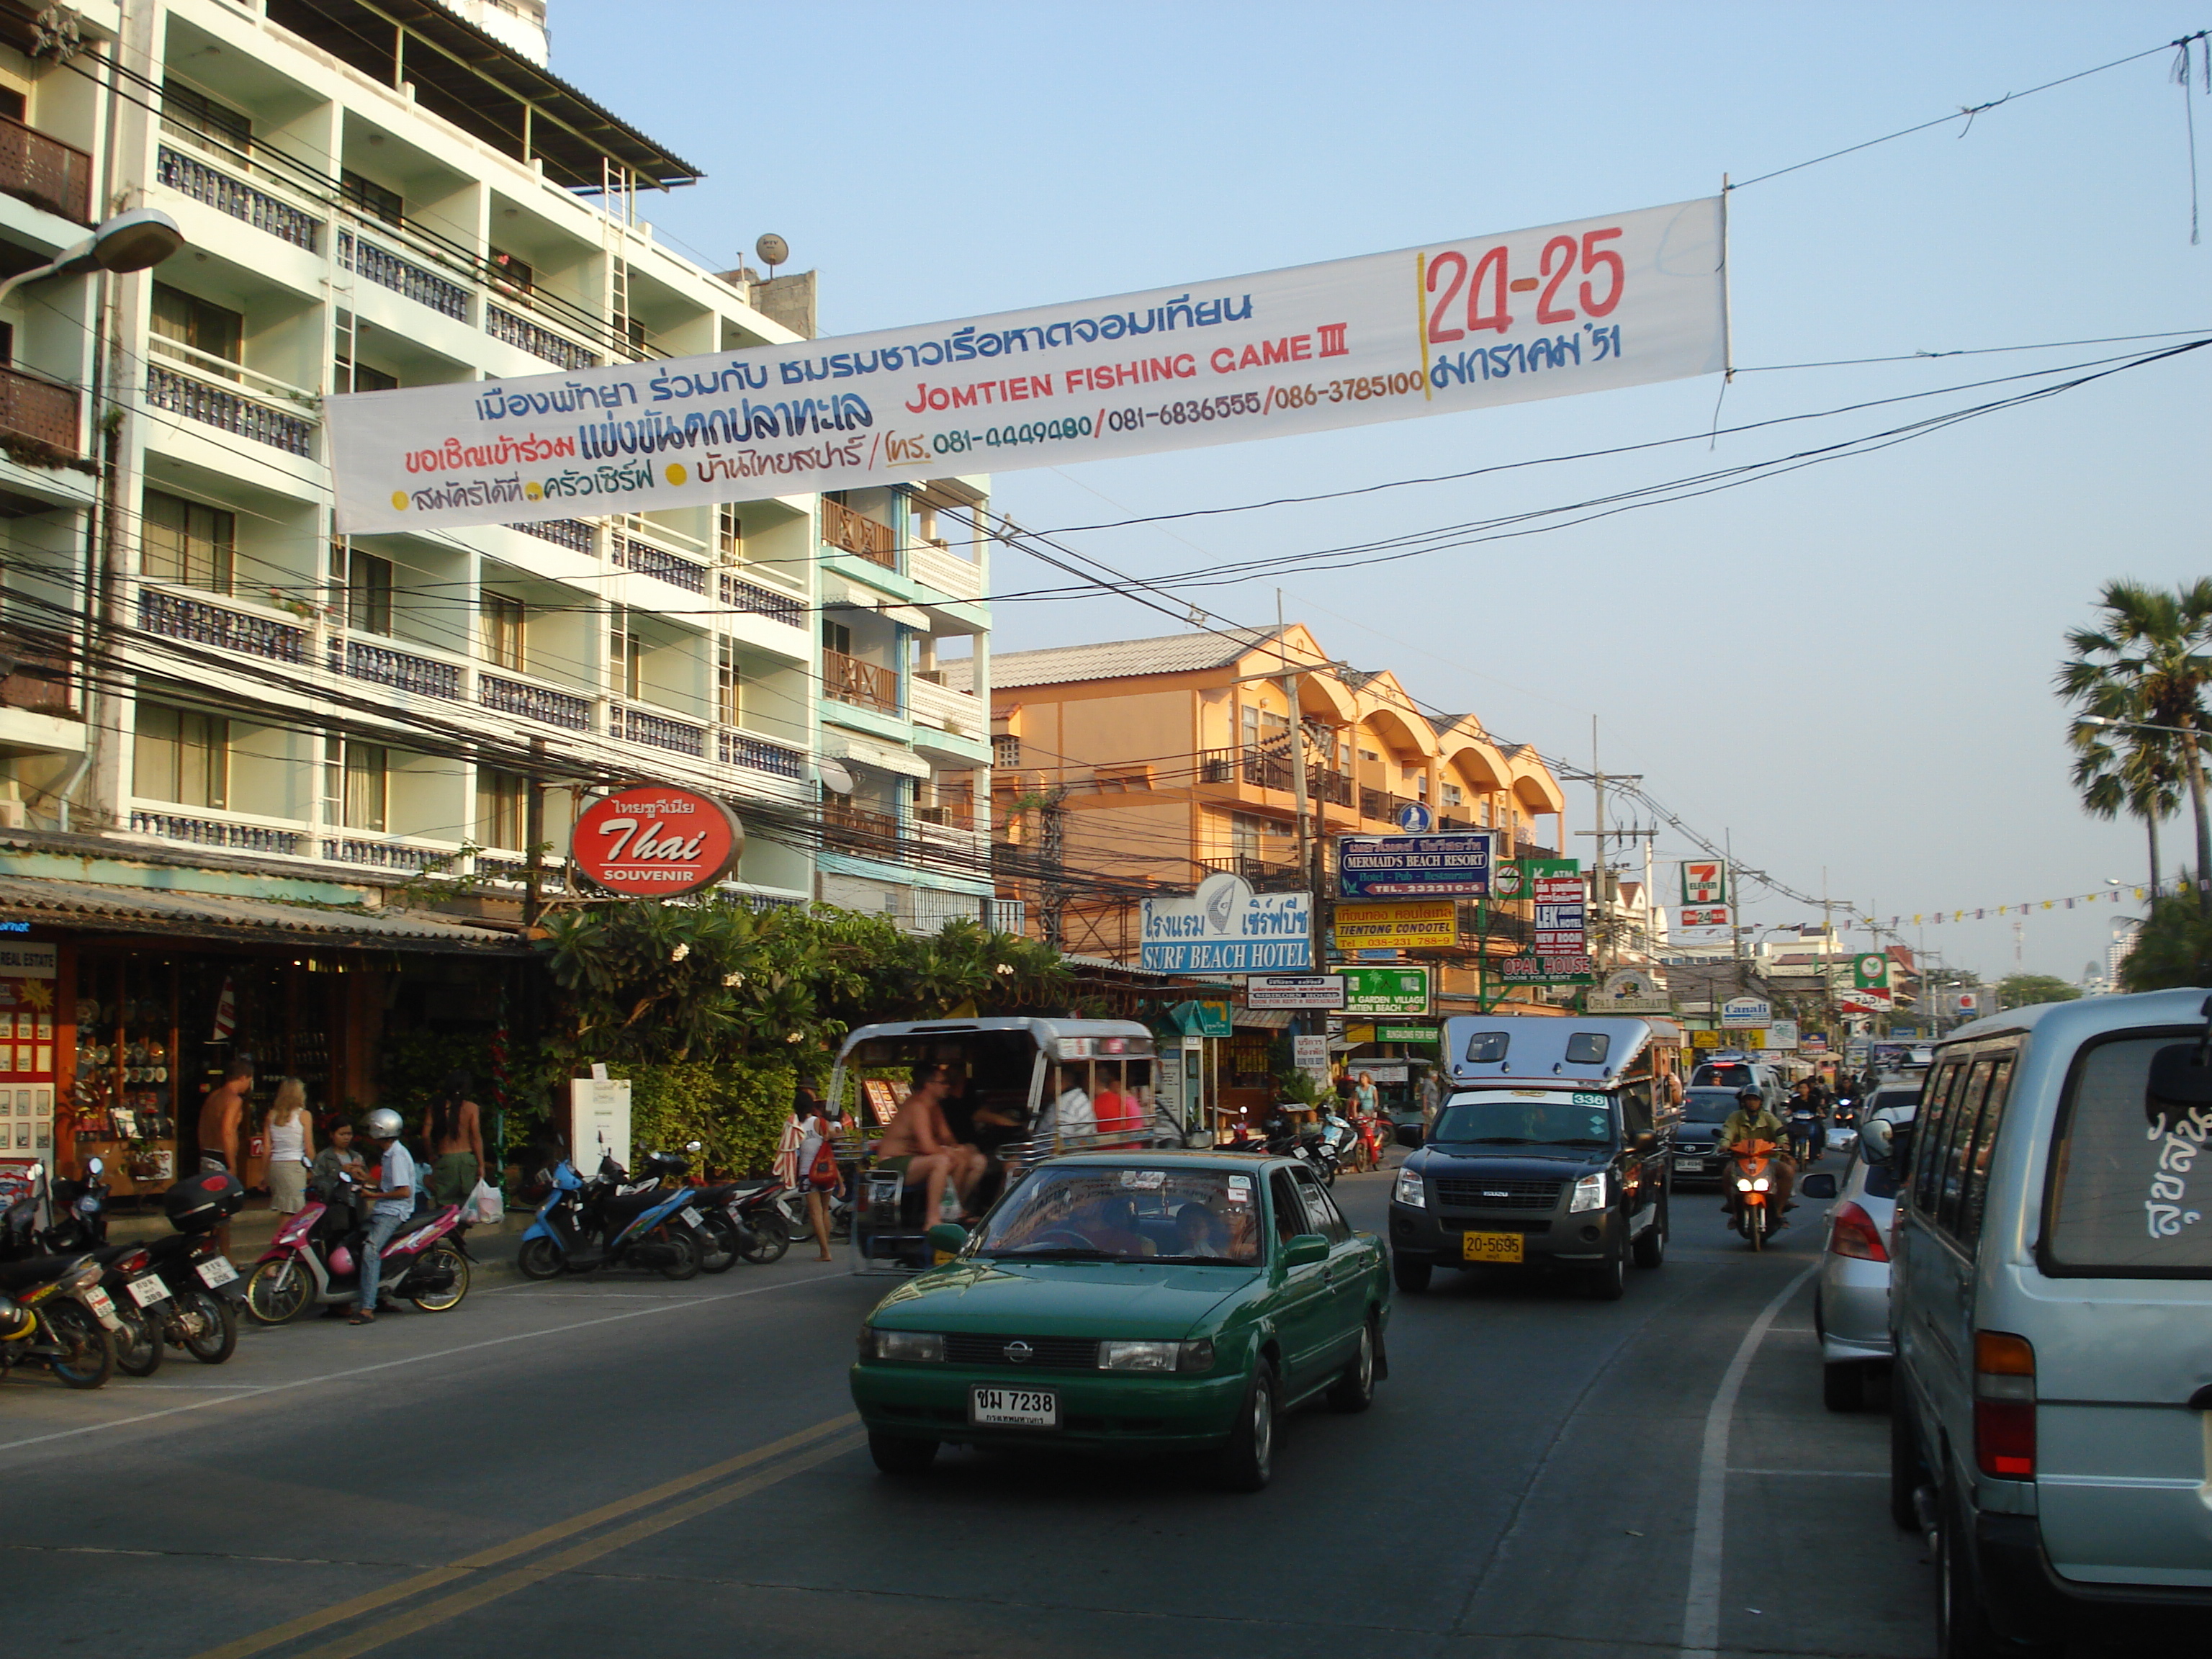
column 656, row 841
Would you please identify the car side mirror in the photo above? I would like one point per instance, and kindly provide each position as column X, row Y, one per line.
column 1818, row 1186
column 946, row 1240
column 1303, row 1249
column 1875, row 1141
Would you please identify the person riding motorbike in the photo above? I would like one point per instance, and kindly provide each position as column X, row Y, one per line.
column 1750, row 1121
column 1807, row 1133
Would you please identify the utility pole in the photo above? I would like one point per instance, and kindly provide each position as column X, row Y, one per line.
column 1309, row 867
column 533, row 836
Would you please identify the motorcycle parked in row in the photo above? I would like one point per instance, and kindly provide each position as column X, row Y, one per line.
column 199, row 1313
column 583, row 1226
column 53, row 1313
column 1752, row 1184
column 314, row 1259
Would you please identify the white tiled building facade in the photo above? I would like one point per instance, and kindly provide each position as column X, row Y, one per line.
column 378, row 195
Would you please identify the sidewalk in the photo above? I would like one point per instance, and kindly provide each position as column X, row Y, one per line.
column 492, row 1250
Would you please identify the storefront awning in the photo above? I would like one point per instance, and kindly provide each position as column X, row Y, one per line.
column 1261, row 1019
column 243, row 921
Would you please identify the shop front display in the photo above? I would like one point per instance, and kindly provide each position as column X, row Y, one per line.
column 29, row 989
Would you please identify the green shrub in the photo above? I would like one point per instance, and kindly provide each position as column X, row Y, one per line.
column 735, row 1111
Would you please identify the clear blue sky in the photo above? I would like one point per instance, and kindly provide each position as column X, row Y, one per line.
column 1849, row 668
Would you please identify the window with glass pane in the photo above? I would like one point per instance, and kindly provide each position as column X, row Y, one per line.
column 191, row 113
column 181, row 755
column 1958, row 1149
column 2127, row 1193
column 367, row 769
column 500, row 797
column 1985, row 1141
column 352, row 376
column 625, row 652
column 503, row 621
column 729, row 532
column 184, row 542
column 729, row 684
column 370, row 197
column 200, row 326
column 837, row 636
column 510, row 274
column 368, row 592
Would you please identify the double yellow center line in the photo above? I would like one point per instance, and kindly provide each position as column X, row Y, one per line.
column 482, row 1590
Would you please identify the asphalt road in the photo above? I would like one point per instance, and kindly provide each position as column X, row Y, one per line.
column 629, row 1466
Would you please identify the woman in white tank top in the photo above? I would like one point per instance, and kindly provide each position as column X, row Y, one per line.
column 291, row 1146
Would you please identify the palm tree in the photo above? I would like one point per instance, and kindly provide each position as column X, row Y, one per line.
column 2146, row 661
column 2137, row 771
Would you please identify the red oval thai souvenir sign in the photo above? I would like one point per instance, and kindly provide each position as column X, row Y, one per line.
column 656, row 841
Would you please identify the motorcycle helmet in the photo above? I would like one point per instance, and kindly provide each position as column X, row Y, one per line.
column 382, row 1124
column 341, row 1260
column 200, row 1201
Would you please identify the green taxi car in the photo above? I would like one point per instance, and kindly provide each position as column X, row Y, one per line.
column 1132, row 1301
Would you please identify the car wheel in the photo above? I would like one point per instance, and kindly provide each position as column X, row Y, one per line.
column 1609, row 1282
column 894, row 1454
column 1842, row 1388
column 1904, row 1466
column 1247, row 1463
column 1963, row 1626
column 1355, row 1389
column 1411, row 1277
column 1652, row 1248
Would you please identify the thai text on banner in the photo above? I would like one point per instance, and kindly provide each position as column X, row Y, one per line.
column 1624, row 300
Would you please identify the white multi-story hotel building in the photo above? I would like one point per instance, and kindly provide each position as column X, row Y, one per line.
column 392, row 192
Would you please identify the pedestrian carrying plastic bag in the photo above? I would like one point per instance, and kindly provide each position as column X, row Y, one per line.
column 484, row 1207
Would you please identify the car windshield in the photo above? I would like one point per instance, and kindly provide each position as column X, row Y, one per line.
column 1709, row 1105
column 1733, row 1074
column 1081, row 1212
column 2126, row 1197
column 1546, row 1119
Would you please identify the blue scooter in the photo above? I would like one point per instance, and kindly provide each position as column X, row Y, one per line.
column 583, row 1226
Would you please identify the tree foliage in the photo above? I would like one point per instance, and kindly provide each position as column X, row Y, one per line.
column 2173, row 947
column 2026, row 990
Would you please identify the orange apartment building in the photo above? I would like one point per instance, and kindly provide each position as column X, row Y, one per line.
column 1162, row 761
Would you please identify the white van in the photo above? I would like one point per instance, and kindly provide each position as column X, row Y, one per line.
column 2051, row 1310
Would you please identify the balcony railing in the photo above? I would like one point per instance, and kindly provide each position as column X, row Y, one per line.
column 870, row 685
column 213, row 832
column 504, row 324
column 935, row 703
column 189, row 176
column 388, row 856
column 843, row 528
column 1382, row 805
column 572, row 533
column 656, row 730
column 45, row 172
column 1326, row 783
column 40, row 677
column 402, row 670
column 163, row 612
column 39, row 410
column 231, row 411
column 388, row 269
column 536, row 702
column 737, row 749
column 1264, row 873
column 860, row 823
column 738, row 594
column 1253, row 767
column 934, row 565
column 646, row 560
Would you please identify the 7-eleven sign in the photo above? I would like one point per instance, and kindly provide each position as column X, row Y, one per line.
column 1704, row 882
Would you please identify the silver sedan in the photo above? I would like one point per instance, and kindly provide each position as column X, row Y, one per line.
column 1851, row 1309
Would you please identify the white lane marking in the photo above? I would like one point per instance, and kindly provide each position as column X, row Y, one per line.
column 1701, row 1607
column 250, row 1391
column 1830, row 1475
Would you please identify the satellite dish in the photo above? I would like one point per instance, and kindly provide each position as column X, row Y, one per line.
column 773, row 251
column 835, row 778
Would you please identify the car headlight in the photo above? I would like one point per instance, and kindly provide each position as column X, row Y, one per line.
column 1742, row 1185
column 1410, row 1190
column 1589, row 1193
column 923, row 1347
column 1760, row 1185
column 1139, row 1356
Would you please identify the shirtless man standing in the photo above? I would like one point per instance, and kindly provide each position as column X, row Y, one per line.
column 222, row 1116
column 919, row 1145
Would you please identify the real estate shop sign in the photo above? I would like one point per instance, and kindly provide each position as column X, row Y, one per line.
column 1225, row 927
column 1507, row 317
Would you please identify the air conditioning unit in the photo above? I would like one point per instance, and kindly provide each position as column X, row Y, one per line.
column 14, row 815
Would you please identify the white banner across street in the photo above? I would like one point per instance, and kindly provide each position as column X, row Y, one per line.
column 1587, row 306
